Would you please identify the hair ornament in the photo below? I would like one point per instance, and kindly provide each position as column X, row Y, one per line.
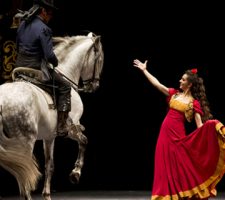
column 194, row 71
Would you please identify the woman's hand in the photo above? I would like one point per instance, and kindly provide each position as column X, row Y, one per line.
column 142, row 66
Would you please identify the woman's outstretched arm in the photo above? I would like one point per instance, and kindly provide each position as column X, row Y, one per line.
column 153, row 80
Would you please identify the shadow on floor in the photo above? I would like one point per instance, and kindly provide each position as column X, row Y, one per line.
column 100, row 195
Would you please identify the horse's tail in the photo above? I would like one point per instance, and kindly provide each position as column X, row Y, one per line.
column 15, row 159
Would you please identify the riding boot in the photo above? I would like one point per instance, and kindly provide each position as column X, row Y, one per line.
column 63, row 105
column 62, row 128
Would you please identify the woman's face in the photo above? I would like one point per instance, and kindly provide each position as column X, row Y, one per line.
column 184, row 84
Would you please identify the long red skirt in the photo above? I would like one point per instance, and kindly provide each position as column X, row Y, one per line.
column 188, row 167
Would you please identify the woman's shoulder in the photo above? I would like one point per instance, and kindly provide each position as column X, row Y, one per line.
column 197, row 106
column 172, row 91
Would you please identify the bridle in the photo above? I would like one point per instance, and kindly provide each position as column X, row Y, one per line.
column 90, row 85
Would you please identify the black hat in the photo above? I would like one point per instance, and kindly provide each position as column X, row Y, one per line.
column 46, row 3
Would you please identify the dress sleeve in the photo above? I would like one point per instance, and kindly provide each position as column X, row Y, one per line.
column 172, row 91
column 197, row 107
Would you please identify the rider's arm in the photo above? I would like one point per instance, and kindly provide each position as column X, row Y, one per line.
column 47, row 46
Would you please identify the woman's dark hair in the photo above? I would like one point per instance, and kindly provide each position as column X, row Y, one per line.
column 198, row 92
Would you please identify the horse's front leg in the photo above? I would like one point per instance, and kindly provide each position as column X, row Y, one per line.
column 75, row 133
column 48, row 146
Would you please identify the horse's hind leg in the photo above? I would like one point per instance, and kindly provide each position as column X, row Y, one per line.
column 48, row 146
column 27, row 196
column 75, row 133
column 32, row 174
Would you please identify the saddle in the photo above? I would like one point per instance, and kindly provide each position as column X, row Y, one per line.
column 35, row 77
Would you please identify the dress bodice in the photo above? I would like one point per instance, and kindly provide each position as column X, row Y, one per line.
column 188, row 108
column 185, row 108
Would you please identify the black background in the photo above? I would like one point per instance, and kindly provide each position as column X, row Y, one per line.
column 122, row 119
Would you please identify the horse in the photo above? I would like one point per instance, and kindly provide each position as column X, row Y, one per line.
column 27, row 114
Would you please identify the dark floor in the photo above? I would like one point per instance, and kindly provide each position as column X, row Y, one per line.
column 100, row 195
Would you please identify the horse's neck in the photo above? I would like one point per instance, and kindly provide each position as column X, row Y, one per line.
column 72, row 56
column 71, row 66
column 72, row 74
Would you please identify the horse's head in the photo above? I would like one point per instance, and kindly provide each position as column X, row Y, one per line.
column 92, row 69
column 80, row 58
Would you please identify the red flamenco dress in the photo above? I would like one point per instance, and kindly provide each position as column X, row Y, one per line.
column 187, row 166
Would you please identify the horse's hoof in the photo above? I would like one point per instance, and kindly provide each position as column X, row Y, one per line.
column 74, row 177
column 46, row 196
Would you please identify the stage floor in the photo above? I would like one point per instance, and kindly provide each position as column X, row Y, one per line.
column 100, row 195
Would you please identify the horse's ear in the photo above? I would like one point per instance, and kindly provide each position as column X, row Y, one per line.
column 97, row 39
column 90, row 34
column 97, row 43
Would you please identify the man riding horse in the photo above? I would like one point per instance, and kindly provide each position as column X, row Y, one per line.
column 35, row 50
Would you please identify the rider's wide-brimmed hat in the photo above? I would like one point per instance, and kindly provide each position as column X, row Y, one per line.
column 46, row 3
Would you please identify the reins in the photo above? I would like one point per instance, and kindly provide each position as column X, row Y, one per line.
column 74, row 85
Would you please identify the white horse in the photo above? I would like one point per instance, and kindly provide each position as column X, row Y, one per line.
column 26, row 114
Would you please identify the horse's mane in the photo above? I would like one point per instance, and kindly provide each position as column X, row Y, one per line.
column 66, row 40
column 64, row 45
